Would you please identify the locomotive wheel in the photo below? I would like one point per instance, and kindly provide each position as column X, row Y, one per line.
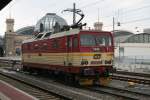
column 106, row 73
column 24, row 68
column 71, row 79
column 27, row 69
column 68, row 78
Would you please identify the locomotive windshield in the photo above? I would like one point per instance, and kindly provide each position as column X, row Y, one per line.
column 87, row 40
column 95, row 40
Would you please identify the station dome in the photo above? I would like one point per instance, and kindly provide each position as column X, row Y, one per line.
column 28, row 30
column 49, row 22
column 122, row 33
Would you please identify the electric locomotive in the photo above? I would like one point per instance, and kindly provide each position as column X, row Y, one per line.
column 79, row 56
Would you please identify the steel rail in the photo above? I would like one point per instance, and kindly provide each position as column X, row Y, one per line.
column 133, row 73
column 121, row 93
column 36, row 91
column 58, row 90
column 131, row 79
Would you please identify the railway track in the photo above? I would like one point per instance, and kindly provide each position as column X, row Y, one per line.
column 133, row 74
column 129, row 78
column 122, row 93
column 37, row 92
column 60, row 91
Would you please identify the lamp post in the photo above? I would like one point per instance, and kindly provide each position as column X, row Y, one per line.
column 118, row 24
column 135, row 64
column 113, row 25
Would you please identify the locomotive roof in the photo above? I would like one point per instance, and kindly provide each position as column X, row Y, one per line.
column 65, row 33
column 55, row 35
column 96, row 31
column 60, row 34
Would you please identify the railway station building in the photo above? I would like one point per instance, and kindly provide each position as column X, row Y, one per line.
column 126, row 43
column 132, row 50
column 13, row 39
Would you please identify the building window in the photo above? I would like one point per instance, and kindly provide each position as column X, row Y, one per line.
column 18, row 51
column 18, row 42
column 148, row 38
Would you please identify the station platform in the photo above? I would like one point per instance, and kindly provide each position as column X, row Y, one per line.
column 8, row 92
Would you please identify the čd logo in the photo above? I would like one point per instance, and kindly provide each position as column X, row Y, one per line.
column 97, row 56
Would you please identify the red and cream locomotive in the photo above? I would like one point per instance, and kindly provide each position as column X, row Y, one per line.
column 81, row 56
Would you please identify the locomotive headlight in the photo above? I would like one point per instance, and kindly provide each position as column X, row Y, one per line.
column 108, row 61
column 84, row 62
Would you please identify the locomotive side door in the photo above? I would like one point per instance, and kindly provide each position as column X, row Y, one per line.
column 69, row 56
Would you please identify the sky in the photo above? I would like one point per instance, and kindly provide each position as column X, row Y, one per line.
column 134, row 15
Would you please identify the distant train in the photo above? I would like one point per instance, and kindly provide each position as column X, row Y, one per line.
column 81, row 56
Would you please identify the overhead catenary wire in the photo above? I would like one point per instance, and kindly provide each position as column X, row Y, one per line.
column 99, row 1
column 132, row 21
column 125, row 12
column 137, row 20
column 91, row 4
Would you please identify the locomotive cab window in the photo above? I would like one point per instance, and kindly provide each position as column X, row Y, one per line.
column 87, row 40
column 95, row 40
column 103, row 40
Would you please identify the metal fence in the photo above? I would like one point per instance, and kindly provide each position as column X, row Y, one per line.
column 133, row 64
